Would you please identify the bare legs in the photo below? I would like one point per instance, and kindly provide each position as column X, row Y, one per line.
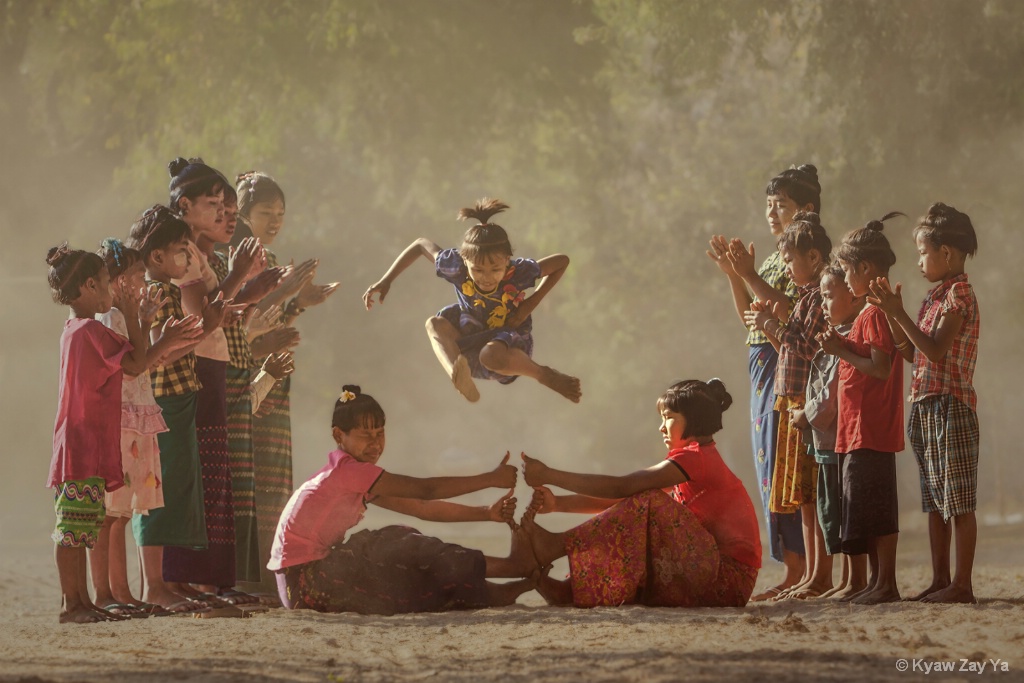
column 819, row 562
column 496, row 357
column 882, row 555
column 940, row 532
column 520, row 562
column 795, row 566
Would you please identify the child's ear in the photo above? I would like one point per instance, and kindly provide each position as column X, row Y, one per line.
column 184, row 204
column 336, row 433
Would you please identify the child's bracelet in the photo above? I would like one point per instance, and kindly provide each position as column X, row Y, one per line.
column 903, row 345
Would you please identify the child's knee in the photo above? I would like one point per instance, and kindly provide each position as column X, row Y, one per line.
column 437, row 325
column 494, row 356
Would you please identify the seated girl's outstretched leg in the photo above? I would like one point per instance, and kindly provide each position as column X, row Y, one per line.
column 497, row 357
column 547, row 546
column 519, row 563
column 502, row 594
column 444, row 340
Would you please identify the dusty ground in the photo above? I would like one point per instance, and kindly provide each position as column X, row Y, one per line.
column 531, row 642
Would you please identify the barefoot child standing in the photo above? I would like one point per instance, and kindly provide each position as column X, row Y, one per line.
column 86, row 458
column 870, row 428
column 488, row 334
column 943, row 428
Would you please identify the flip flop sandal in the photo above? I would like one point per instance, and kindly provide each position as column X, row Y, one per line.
column 192, row 607
column 238, row 598
column 123, row 609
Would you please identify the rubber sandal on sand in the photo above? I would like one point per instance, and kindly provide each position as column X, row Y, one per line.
column 768, row 594
column 462, row 378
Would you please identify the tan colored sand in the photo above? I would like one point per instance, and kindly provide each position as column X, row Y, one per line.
column 528, row 642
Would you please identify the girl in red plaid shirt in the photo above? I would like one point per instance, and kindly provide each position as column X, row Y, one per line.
column 943, row 428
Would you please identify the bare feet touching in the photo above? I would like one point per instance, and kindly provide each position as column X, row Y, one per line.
column 564, row 384
column 547, row 547
column 462, row 378
column 521, row 557
column 553, row 591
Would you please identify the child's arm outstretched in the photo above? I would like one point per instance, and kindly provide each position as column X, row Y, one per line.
column 434, row 488
column 877, row 365
column 421, row 247
column 502, row 510
column 544, row 501
column 552, row 268
column 660, row 476
column 934, row 347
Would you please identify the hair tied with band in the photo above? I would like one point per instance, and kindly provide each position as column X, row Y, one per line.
column 349, row 393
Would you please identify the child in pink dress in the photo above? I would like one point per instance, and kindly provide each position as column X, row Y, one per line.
column 86, row 460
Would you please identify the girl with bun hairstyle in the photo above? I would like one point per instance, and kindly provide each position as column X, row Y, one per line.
column 86, row 461
column 488, row 333
column 943, row 426
column 687, row 519
column 869, row 431
column 795, row 189
column 395, row 569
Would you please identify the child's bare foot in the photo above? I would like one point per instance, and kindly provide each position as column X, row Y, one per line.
column 462, row 378
column 564, row 384
column 952, row 593
column 503, row 594
column 878, row 596
column 521, row 556
column 553, row 591
column 849, row 592
column 82, row 614
column 935, row 587
column 832, row 591
column 547, row 547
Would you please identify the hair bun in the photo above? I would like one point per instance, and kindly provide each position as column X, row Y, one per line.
column 716, row 389
column 810, row 170
column 875, row 225
column 57, row 254
column 177, row 166
column 807, row 217
column 354, row 388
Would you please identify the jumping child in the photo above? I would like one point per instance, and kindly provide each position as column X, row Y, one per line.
column 870, row 428
column 86, row 460
column 488, row 334
column 943, row 428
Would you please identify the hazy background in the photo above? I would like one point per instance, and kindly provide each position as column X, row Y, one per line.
column 622, row 133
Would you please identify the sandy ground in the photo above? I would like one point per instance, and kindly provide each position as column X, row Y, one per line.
column 788, row 641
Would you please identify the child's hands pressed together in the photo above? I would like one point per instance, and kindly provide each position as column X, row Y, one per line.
column 277, row 340
column 263, row 283
column 279, row 365
column 312, row 295
column 534, row 471
column 887, row 298
column 756, row 317
column 742, row 258
column 542, row 502
column 831, row 341
column 505, row 475
column 149, row 305
column 799, row 418
column 503, row 510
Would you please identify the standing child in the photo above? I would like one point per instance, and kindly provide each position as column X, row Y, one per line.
column 821, row 411
column 488, row 334
column 793, row 190
column 805, row 248
column 140, row 423
column 870, row 428
column 161, row 238
column 943, row 428
column 86, row 458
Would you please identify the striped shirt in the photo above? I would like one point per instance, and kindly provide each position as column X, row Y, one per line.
column 954, row 374
column 177, row 378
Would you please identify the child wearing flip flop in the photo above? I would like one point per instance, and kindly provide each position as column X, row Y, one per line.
column 488, row 334
column 141, row 421
column 86, row 460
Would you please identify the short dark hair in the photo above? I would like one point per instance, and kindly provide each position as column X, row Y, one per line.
column 69, row 270
column 944, row 226
column 701, row 403
column 157, row 228
column 804, row 233
column 799, row 183
column 356, row 409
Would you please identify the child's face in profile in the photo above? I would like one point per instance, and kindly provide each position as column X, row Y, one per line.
column 858, row 277
column 801, row 267
column 487, row 272
column 673, row 425
column 134, row 278
column 837, row 301
column 780, row 212
column 96, row 294
column 174, row 259
column 932, row 260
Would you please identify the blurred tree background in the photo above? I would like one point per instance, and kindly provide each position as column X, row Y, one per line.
column 622, row 132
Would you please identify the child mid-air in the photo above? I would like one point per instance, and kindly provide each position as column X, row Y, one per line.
column 870, row 427
column 141, row 421
column 943, row 427
column 488, row 334
column 805, row 248
column 86, row 460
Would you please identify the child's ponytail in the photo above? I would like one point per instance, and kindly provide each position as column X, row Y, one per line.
column 69, row 270
column 869, row 245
